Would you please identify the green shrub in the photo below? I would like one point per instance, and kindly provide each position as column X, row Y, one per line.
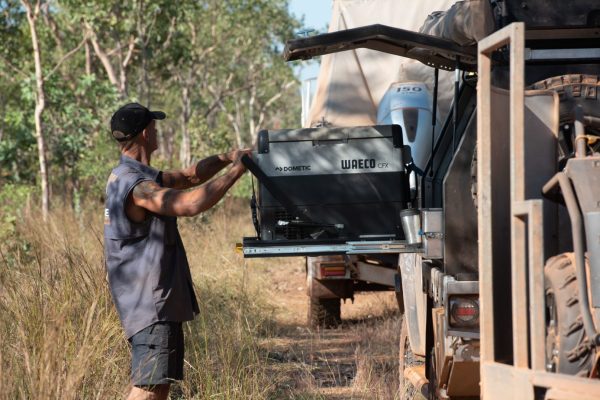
column 14, row 199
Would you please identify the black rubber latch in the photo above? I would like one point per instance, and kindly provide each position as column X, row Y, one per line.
column 254, row 211
column 397, row 136
column 263, row 142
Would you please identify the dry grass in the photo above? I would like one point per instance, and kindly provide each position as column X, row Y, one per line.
column 377, row 356
column 60, row 337
column 358, row 360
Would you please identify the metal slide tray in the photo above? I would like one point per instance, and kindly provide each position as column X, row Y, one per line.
column 254, row 248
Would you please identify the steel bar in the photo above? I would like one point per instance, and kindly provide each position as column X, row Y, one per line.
column 578, row 247
column 580, row 138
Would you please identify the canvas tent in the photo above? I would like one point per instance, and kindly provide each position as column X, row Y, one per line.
column 351, row 83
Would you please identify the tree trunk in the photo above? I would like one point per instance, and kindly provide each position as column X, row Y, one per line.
column 40, row 105
column 110, row 71
column 233, row 121
column 143, row 40
column 118, row 82
column 237, row 125
column 185, row 153
column 146, row 77
column 251, row 103
column 88, row 58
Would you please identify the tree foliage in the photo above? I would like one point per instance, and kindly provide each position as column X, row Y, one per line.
column 214, row 66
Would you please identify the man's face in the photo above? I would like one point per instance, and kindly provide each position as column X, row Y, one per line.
column 151, row 136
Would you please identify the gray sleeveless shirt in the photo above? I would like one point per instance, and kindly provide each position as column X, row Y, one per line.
column 147, row 267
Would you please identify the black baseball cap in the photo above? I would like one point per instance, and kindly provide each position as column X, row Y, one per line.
column 131, row 119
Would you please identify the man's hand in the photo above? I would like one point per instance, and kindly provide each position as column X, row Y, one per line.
column 235, row 155
column 236, row 158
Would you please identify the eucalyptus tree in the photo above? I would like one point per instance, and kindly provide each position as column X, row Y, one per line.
column 34, row 13
column 121, row 34
column 224, row 58
column 270, row 89
column 65, row 64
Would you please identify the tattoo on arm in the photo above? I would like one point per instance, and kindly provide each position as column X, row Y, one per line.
column 167, row 201
column 146, row 190
column 196, row 174
column 154, row 198
column 207, row 168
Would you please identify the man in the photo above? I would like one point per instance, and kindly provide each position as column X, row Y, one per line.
column 148, row 271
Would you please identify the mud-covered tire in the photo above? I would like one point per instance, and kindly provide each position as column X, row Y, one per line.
column 406, row 359
column 573, row 90
column 564, row 325
column 324, row 313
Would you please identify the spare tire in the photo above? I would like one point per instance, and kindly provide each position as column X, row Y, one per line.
column 567, row 351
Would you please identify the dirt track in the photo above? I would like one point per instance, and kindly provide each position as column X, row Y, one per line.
column 356, row 361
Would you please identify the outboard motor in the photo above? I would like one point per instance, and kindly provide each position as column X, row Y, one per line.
column 409, row 104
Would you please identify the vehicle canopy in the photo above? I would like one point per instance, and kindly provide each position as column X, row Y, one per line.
column 352, row 83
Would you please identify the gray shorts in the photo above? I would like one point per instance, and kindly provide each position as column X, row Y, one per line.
column 157, row 354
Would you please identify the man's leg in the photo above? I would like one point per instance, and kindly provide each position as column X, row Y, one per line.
column 156, row 360
column 158, row 392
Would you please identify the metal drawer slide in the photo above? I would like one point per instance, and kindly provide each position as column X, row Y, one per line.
column 255, row 248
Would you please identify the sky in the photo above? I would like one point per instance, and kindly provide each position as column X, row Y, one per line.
column 316, row 14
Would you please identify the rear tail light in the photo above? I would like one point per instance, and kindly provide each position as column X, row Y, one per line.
column 464, row 311
column 333, row 271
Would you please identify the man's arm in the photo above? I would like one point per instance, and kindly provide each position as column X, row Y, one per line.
column 150, row 196
column 201, row 172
